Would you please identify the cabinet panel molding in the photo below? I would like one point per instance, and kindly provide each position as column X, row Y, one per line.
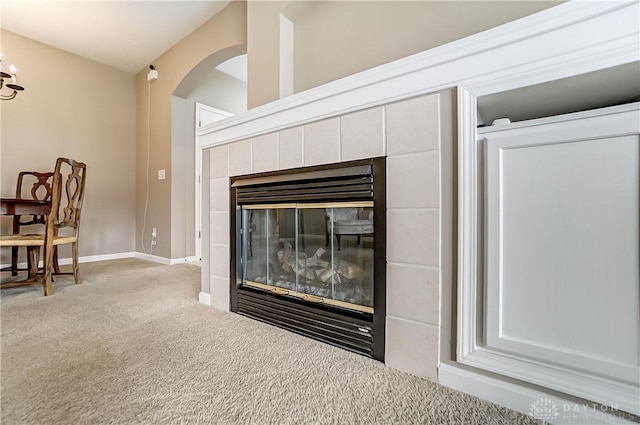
column 556, row 301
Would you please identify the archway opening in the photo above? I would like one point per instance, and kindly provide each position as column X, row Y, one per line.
column 215, row 84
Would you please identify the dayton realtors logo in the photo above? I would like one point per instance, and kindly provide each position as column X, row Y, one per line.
column 548, row 411
column 544, row 409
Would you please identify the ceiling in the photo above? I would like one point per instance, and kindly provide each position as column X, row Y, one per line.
column 236, row 67
column 127, row 35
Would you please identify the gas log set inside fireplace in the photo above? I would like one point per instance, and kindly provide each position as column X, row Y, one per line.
column 309, row 252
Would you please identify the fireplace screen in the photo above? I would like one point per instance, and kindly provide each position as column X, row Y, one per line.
column 308, row 252
column 319, row 252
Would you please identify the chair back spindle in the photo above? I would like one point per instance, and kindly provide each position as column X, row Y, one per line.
column 71, row 203
column 40, row 189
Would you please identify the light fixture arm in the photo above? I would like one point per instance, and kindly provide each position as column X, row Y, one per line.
column 11, row 86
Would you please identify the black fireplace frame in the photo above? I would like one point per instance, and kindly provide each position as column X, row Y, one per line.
column 360, row 332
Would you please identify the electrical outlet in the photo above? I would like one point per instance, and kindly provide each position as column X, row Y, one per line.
column 154, row 236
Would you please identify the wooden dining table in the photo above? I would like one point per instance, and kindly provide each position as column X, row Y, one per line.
column 17, row 206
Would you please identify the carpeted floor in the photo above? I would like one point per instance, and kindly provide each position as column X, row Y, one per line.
column 132, row 345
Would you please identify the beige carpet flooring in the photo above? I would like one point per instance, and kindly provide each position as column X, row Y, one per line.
column 132, row 345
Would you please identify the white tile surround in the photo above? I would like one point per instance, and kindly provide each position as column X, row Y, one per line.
column 410, row 133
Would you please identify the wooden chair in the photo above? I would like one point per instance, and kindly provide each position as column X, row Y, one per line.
column 30, row 185
column 62, row 224
column 69, row 217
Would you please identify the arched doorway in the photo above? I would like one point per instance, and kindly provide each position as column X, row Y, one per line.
column 219, row 91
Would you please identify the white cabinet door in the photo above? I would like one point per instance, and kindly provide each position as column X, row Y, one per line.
column 561, row 294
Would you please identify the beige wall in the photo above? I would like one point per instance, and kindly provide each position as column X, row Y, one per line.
column 225, row 30
column 263, row 51
column 93, row 119
column 334, row 39
column 76, row 108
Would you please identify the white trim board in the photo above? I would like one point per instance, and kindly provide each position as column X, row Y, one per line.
column 163, row 260
column 522, row 398
column 185, row 260
column 569, row 39
column 103, row 257
column 118, row 256
column 204, row 298
column 85, row 259
column 167, row 261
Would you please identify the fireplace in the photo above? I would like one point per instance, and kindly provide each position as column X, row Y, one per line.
column 309, row 252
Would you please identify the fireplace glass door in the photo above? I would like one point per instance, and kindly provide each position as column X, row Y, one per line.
column 321, row 253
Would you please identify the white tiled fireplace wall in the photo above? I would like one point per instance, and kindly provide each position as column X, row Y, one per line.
column 433, row 183
column 415, row 136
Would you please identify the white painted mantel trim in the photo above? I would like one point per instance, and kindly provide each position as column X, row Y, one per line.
column 569, row 39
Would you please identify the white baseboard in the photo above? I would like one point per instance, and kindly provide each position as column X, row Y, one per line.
column 192, row 259
column 204, row 298
column 154, row 258
column 85, row 259
column 102, row 257
column 168, row 261
column 548, row 407
column 117, row 256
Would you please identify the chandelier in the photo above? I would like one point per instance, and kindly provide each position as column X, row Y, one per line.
column 13, row 85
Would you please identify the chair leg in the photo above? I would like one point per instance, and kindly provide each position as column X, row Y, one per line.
column 14, row 261
column 74, row 254
column 33, row 257
column 46, row 278
column 56, row 266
